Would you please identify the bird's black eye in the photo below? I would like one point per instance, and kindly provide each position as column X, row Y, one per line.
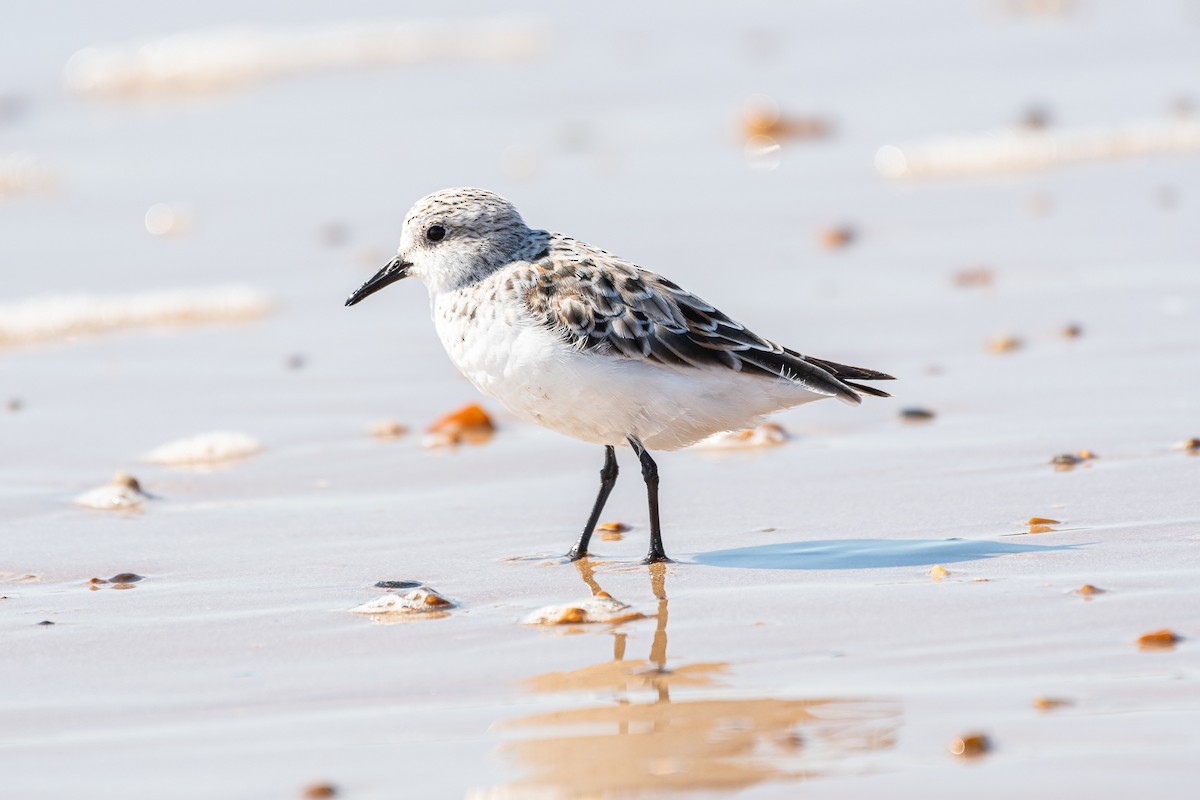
column 435, row 233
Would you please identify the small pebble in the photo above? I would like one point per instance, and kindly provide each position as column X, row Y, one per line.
column 318, row 790
column 970, row 746
column 1087, row 590
column 612, row 527
column 1041, row 524
column 916, row 415
column 388, row 430
column 125, row 481
column 836, row 237
column 1072, row 331
column 416, row 601
column 1164, row 639
column 122, row 580
column 938, row 571
column 469, row 424
column 1050, row 703
column 600, row 608
column 45, row 622
column 768, row 434
column 122, row 493
column 397, row 584
column 296, row 361
column 13, row 405
column 1004, row 343
column 766, row 120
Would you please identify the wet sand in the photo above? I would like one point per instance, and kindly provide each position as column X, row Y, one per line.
column 801, row 643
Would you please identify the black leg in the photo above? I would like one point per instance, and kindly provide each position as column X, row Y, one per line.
column 650, row 475
column 608, row 479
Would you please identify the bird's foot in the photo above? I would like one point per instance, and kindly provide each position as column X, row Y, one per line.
column 657, row 558
column 576, row 555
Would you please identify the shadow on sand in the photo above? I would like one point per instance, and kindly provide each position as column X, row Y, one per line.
column 865, row 553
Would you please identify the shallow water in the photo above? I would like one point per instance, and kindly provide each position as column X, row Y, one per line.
column 800, row 638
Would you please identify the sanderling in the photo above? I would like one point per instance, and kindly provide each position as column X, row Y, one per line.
column 578, row 340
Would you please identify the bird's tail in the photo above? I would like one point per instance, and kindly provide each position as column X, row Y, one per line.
column 848, row 374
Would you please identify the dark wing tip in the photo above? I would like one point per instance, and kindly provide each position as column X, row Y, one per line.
column 871, row 390
column 844, row 371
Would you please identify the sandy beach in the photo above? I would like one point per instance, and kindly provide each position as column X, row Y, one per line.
column 891, row 602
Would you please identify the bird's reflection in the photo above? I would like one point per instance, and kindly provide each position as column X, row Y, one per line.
column 639, row 740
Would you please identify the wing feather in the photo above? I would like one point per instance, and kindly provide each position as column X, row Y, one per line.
column 597, row 302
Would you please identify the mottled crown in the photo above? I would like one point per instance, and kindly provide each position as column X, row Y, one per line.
column 467, row 212
column 464, row 205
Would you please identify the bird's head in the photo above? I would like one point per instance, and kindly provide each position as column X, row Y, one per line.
column 453, row 238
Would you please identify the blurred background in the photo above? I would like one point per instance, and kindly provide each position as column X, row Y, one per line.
column 997, row 201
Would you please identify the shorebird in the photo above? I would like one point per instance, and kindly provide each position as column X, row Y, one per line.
column 585, row 343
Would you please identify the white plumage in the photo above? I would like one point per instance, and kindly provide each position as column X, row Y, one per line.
column 601, row 398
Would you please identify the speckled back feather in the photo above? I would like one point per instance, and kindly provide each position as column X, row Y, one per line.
column 598, row 302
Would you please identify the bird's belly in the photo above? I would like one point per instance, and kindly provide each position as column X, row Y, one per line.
column 599, row 397
column 523, row 367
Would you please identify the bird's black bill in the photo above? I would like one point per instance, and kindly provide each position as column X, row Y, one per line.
column 396, row 269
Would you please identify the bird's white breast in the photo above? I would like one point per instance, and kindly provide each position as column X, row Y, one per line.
column 596, row 397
